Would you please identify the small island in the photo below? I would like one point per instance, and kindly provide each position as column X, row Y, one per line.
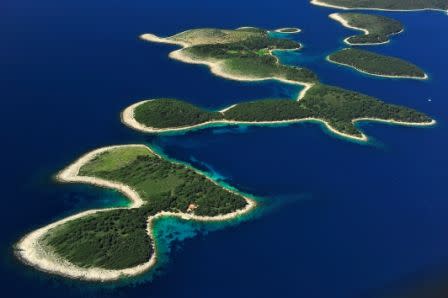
column 288, row 30
column 393, row 5
column 112, row 243
column 377, row 65
column 377, row 29
column 337, row 108
column 244, row 54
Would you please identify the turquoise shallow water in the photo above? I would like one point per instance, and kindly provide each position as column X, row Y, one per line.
column 339, row 219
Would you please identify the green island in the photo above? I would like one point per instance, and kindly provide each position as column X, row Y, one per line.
column 404, row 5
column 247, row 54
column 376, row 64
column 241, row 54
column 97, row 245
column 377, row 29
column 338, row 108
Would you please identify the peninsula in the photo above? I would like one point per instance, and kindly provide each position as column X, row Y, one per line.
column 377, row 65
column 377, row 29
column 112, row 243
column 337, row 108
column 393, row 5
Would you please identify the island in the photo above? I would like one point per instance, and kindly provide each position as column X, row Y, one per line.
column 245, row 54
column 113, row 243
column 248, row 54
column 338, row 109
column 378, row 65
column 393, row 5
column 108, row 244
column 377, row 29
column 288, row 30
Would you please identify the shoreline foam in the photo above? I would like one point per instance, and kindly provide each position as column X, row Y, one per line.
column 31, row 251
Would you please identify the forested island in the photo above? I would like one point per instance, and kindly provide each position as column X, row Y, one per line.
column 240, row 54
column 111, row 243
column 376, row 64
column 384, row 4
column 246, row 53
column 339, row 109
column 377, row 29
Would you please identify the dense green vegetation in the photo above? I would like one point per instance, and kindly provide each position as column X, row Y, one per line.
column 339, row 107
column 252, row 58
column 242, row 49
column 379, row 27
column 213, row 35
column 117, row 239
column 114, row 239
column 244, row 52
column 334, row 105
column 390, row 4
column 267, row 67
column 377, row 64
column 172, row 113
column 266, row 110
column 166, row 185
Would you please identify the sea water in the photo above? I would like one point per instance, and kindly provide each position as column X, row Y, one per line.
column 340, row 219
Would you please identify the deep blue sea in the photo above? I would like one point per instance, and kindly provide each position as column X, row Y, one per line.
column 338, row 219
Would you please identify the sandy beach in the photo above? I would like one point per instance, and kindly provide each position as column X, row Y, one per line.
column 31, row 250
column 226, row 109
column 346, row 40
column 337, row 17
column 320, row 3
column 425, row 77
